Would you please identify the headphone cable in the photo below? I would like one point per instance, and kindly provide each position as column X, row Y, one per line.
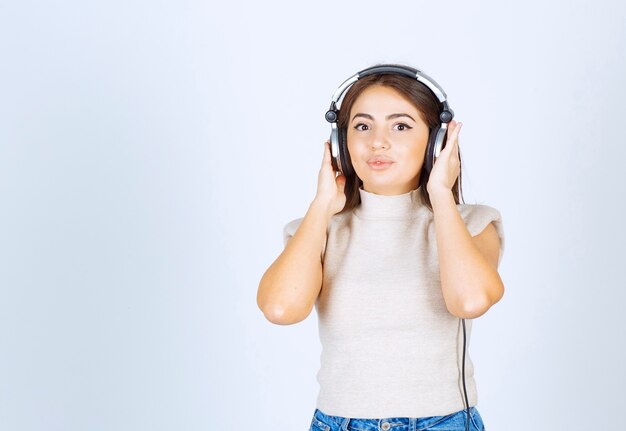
column 464, row 388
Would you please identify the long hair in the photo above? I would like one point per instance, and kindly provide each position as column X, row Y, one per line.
column 427, row 105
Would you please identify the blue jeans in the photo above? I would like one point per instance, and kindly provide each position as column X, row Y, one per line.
column 452, row 422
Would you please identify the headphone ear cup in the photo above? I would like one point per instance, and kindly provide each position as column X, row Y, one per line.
column 346, row 163
column 430, row 151
column 436, row 139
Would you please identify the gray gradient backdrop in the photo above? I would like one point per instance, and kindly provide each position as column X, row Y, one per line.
column 151, row 153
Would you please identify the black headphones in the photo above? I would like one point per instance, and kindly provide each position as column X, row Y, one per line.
column 338, row 136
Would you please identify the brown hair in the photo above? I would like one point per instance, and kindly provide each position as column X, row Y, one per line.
column 427, row 105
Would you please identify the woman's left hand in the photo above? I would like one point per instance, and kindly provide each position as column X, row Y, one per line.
column 448, row 165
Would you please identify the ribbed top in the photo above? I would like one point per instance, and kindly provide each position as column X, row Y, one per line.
column 390, row 347
column 395, row 207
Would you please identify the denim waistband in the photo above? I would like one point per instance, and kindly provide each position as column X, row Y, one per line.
column 384, row 424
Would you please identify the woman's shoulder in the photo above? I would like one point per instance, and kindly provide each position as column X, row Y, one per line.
column 477, row 209
column 290, row 228
column 478, row 216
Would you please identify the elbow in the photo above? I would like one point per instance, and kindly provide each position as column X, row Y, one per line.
column 283, row 316
column 470, row 309
column 475, row 307
column 272, row 311
column 281, row 307
column 280, row 315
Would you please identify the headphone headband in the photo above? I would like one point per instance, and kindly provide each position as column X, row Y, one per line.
column 389, row 68
column 397, row 69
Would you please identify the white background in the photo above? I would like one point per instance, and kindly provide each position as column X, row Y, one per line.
column 151, row 153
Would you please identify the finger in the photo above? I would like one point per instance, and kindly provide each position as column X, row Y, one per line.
column 456, row 142
column 451, row 146
column 326, row 152
column 451, row 127
column 450, row 135
column 457, row 129
column 454, row 137
column 454, row 130
column 341, row 182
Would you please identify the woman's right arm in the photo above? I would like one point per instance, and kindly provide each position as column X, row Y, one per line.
column 290, row 286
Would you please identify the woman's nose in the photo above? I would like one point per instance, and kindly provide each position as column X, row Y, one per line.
column 380, row 139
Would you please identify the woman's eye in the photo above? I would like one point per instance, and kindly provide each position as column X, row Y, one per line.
column 402, row 126
column 362, row 127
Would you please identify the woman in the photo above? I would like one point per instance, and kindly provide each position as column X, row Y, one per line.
column 393, row 263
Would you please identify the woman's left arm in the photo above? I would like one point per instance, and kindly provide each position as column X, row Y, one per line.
column 468, row 266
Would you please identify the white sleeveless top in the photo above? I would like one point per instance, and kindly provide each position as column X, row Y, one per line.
column 390, row 347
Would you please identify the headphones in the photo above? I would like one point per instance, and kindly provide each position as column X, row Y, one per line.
column 338, row 136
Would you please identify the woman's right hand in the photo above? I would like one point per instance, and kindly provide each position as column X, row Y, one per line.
column 330, row 188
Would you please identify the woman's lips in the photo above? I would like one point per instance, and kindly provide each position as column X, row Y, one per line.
column 379, row 166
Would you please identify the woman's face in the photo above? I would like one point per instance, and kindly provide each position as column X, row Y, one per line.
column 383, row 124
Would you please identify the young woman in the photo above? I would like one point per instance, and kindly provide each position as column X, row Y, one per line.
column 393, row 262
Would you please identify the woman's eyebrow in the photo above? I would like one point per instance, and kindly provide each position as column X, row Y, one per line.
column 368, row 116
column 389, row 117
